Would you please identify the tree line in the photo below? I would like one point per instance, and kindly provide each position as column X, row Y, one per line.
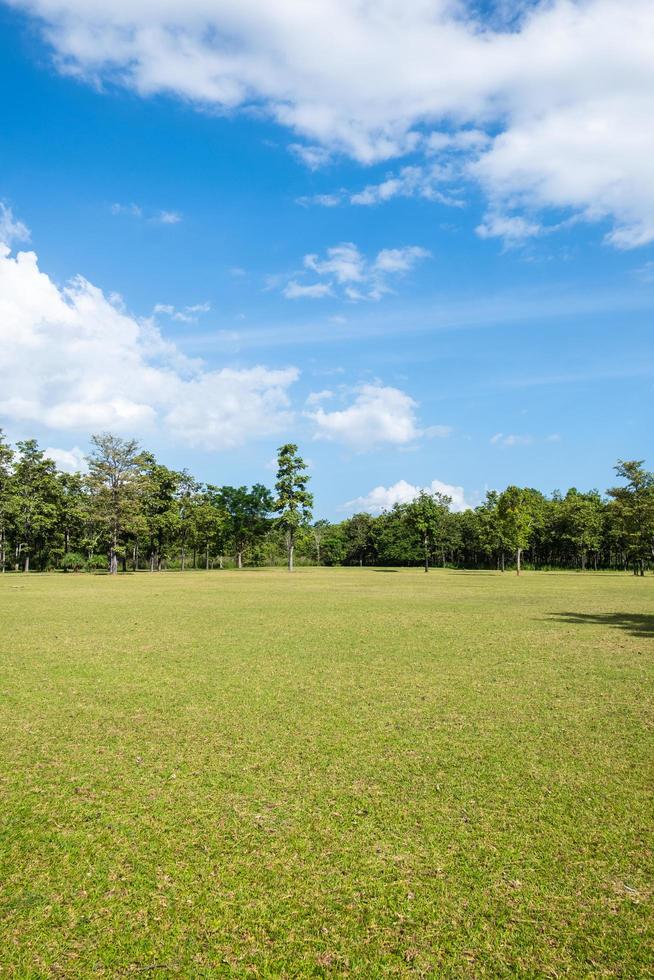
column 128, row 511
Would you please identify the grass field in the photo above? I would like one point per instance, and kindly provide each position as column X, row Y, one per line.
column 339, row 772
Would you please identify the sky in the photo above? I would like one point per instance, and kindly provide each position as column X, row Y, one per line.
column 416, row 237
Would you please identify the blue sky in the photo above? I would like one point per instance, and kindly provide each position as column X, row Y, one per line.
column 412, row 290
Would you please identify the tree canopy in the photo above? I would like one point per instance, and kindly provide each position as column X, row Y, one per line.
column 130, row 511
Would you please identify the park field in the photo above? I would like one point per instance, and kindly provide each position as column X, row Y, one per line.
column 338, row 772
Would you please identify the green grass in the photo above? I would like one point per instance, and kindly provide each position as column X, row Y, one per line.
column 338, row 772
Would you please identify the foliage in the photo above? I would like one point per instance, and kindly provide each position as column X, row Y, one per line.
column 293, row 502
column 131, row 509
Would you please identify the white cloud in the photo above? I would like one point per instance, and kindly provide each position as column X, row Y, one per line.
column 188, row 315
column 551, row 100
column 510, row 440
column 131, row 209
column 169, row 217
column 399, row 260
column 70, row 359
column 379, row 415
column 316, row 290
column 384, row 498
column 512, row 228
column 69, row 460
column 646, row 272
column 157, row 217
column 427, row 182
column 359, row 278
column 315, row 397
column 11, row 229
column 321, row 200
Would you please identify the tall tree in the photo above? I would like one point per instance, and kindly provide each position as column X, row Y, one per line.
column 318, row 531
column 7, row 496
column 515, row 513
column 581, row 523
column 427, row 516
column 635, row 510
column 187, row 492
column 35, row 489
column 247, row 515
column 115, row 467
column 70, row 508
column 157, row 500
column 294, row 501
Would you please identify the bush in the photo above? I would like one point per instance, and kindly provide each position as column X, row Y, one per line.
column 72, row 562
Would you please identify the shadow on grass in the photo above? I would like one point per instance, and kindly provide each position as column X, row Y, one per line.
column 393, row 570
column 637, row 624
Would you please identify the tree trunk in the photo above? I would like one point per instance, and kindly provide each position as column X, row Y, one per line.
column 183, row 559
column 113, row 562
column 26, row 566
column 291, row 549
column 220, row 562
column 503, row 564
column 239, row 559
column 518, row 556
column 583, row 561
column 426, row 544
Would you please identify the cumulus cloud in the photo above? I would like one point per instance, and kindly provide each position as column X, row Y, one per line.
column 379, row 415
column 384, row 498
column 316, row 397
column 344, row 270
column 549, row 101
column 69, row 460
column 73, row 359
column 11, row 229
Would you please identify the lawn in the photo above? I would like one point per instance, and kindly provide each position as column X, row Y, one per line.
column 339, row 772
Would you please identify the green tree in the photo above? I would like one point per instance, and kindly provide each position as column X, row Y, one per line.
column 427, row 516
column 157, row 493
column 71, row 509
column 581, row 523
column 319, row 529
column 7, row 496
column 294, row 502
column 247, row 515
column 360, row 539
column 207, row 520
column 516, row 519
column 114, row 479
column 35, row 492
column 186, row 499
column 635, row 511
